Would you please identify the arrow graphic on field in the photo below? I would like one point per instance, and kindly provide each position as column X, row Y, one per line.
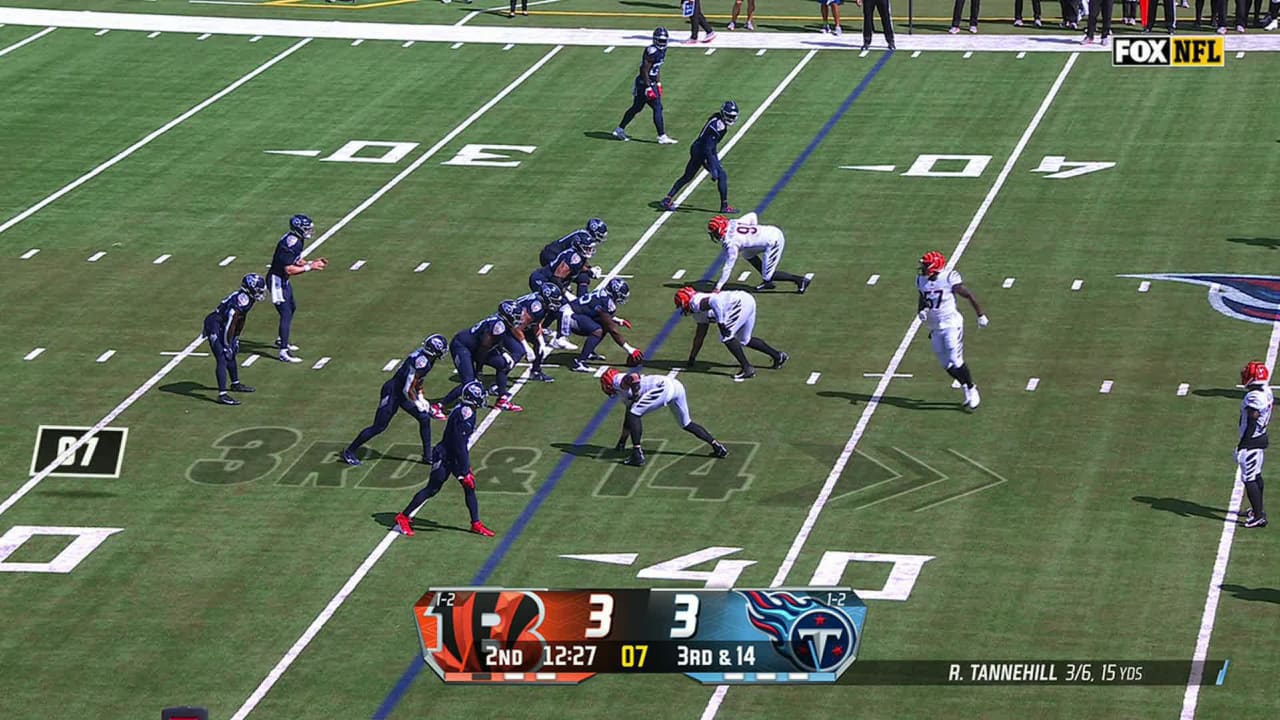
column 873, row 482
column 1062, row 168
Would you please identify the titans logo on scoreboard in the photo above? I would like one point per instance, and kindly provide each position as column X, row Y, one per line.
column 812, row 635
column 1255, row 298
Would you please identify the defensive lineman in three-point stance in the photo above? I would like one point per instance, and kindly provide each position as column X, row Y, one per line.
column 222, row 329
column 734, row 312
column 938, row 288
column 286, row 263
column 1255, row 415
column 452, row 456
column 645, row 393
column 760, row 245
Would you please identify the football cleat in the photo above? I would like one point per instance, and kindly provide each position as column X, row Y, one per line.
column 562, row 343
column 504, row 403
column 541, row 377
column 349, row 457
column 731, row 26
column 279, row 344
column 284, row 356
column 667, row 140
column 241, row 387
column 478, row 528
column 766, row 285
column 403, row 526
column 1248, row 514
column 621, row 446
column 437, row 412
column 709, row 37
column 579, row 366
column 804, row 285
column 726, row 208
column 973, row 398
column 782, row 360
column 667, row 204
column 620, row 134
column 1257, row 521
column 636, row 459
column 597, row 357
column 745, row 374
column 225, row 399
column 718, row 449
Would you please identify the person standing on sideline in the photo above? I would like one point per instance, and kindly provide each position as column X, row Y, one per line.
column 958, row 10
column 886, row 21
column 1170, row 18
column 835, row 14
column 692, row 9
column 1130, row 12
column 751, row 14
column 1104, row 7
column 524, row 8
column 1017, row 12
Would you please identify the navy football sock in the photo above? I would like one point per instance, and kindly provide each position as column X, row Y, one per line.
column 221, row 374
column 588, row 347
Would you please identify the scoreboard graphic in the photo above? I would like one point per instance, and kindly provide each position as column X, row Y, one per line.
column 768, row 636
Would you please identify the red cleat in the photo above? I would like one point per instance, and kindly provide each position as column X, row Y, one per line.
column 479, row 528
column 504, row 403
column 437, row 412
column 402, row 524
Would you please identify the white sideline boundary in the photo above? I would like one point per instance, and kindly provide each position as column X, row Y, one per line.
column 793, row 553
column 385, row 544
column 1191, row 696
column 403, row 32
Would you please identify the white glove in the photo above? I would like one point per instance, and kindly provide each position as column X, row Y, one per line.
column 983, row 321
column 529, row 354
column 422, row 404
column 923, row 315
column 597, row 272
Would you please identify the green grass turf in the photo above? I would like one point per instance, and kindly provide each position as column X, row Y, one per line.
column 930, row 16
column 218, row 572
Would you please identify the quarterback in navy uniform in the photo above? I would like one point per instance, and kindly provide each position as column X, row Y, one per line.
column 404, row 392
column 594, row 314
column 647, row 89
column 287, row 262
column 222, row 329
column 704, row 153
column 452, row 456
column 594, row 233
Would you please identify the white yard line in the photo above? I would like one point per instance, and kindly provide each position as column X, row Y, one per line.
column 1210, row 614
column 383, row 545
column 806, row 528
column 702, row 174
column 24, row 41
column 151, row 136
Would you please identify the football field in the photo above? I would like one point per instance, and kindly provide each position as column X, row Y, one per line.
column 1086, row 510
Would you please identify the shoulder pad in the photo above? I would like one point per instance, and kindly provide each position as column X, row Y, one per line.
column 575, row 259
column 499, row 327
column 420, row 361
column 290, row 239
column 242, row 299
column 535, row 307
column 467, row 412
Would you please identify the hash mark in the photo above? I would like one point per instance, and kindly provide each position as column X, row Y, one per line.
column 1020, row 56
column 357, row 265
column 600, row 371
column 484, row 269
column 678, row 274
column 422, row 266
column 249, row 361
column 1183, row 388
column 1077, row 284
column 203, row 37
column 915, row 54
column 407, row 43
column 455, row 46
column 105, row 356
column 1032, row 384
column 813, row 378
column 160, row 260
column 1144, row 286
column 227, row 261
column 709, row 51
column 391, row 365
column 357, row 42
column 156, row 34
column 321, row 363
column 1106, row 387
column 255, row 38
column 96, row 256
column 760, row 52
column 743, row 277
column 968, row 55
column 1008, row 283
column 508, row 46
column 33, row 354
column 29, row 254
column 864, row 53
column 608, row 49
column 873, row 279
column 100, row 33
column 1239, row 54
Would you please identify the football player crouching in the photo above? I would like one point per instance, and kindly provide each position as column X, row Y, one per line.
column 642, row 394
column 734, row 312
column 592, row 316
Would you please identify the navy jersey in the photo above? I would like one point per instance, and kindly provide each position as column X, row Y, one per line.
column 655, row 56
column 571, row 257
column 288, row 252
column 595, row 302
column 230, row 315
column 552, row 250
column 408, row 378
column 457, row 433
column 712, row 133
column 532, row 305
column 484, row 334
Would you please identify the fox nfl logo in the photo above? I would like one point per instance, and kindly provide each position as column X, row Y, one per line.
column 1169, row 52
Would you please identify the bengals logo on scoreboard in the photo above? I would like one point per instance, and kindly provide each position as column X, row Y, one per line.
column 478, row 634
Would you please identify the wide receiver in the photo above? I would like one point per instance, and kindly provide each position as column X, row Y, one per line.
column 938, row 288
column 1255, row 415
column 734, row 313
column 760, row 245
column 645, row 393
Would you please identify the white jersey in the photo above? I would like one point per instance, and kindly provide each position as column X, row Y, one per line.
column 940, row 299
column 733, row 310
column 655, row 391
column 747, row 238
column 1260, row 398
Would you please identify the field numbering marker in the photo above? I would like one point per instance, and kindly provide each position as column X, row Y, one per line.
column 105, row 356
column 422, row 266
column 813, row 378
column 1077, row 284
column 1106, row 387
column 96, row 256
column 250, row 360
column 1032, row 384
column 484, row 269
column 321, row 363
column 391, row 365
column 837, row 470
column 33, row 354
column 1008, row 283
column 143, row 142
column 873, row 279
column 1144, row 286
column 160, row 260
column 29, row 254
column 1183, row 389
column 227, row 261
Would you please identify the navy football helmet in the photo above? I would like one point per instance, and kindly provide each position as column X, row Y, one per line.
column 302, row 225
column 729, row 111
column 435, row 346
column 585, row 243
column 660, row 37
column 254, row 285
column 618, row 290
column 552, row 296
column 509, row 311
column 599, row 231
column 473, row 394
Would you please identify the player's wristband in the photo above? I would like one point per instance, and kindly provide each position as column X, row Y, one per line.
column 628, row 348
column 306, row 267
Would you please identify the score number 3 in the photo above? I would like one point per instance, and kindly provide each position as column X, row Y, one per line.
column 601, row 616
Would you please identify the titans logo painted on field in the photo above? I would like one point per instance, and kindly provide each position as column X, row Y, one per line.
column 814, row 637
column 1255, row 298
